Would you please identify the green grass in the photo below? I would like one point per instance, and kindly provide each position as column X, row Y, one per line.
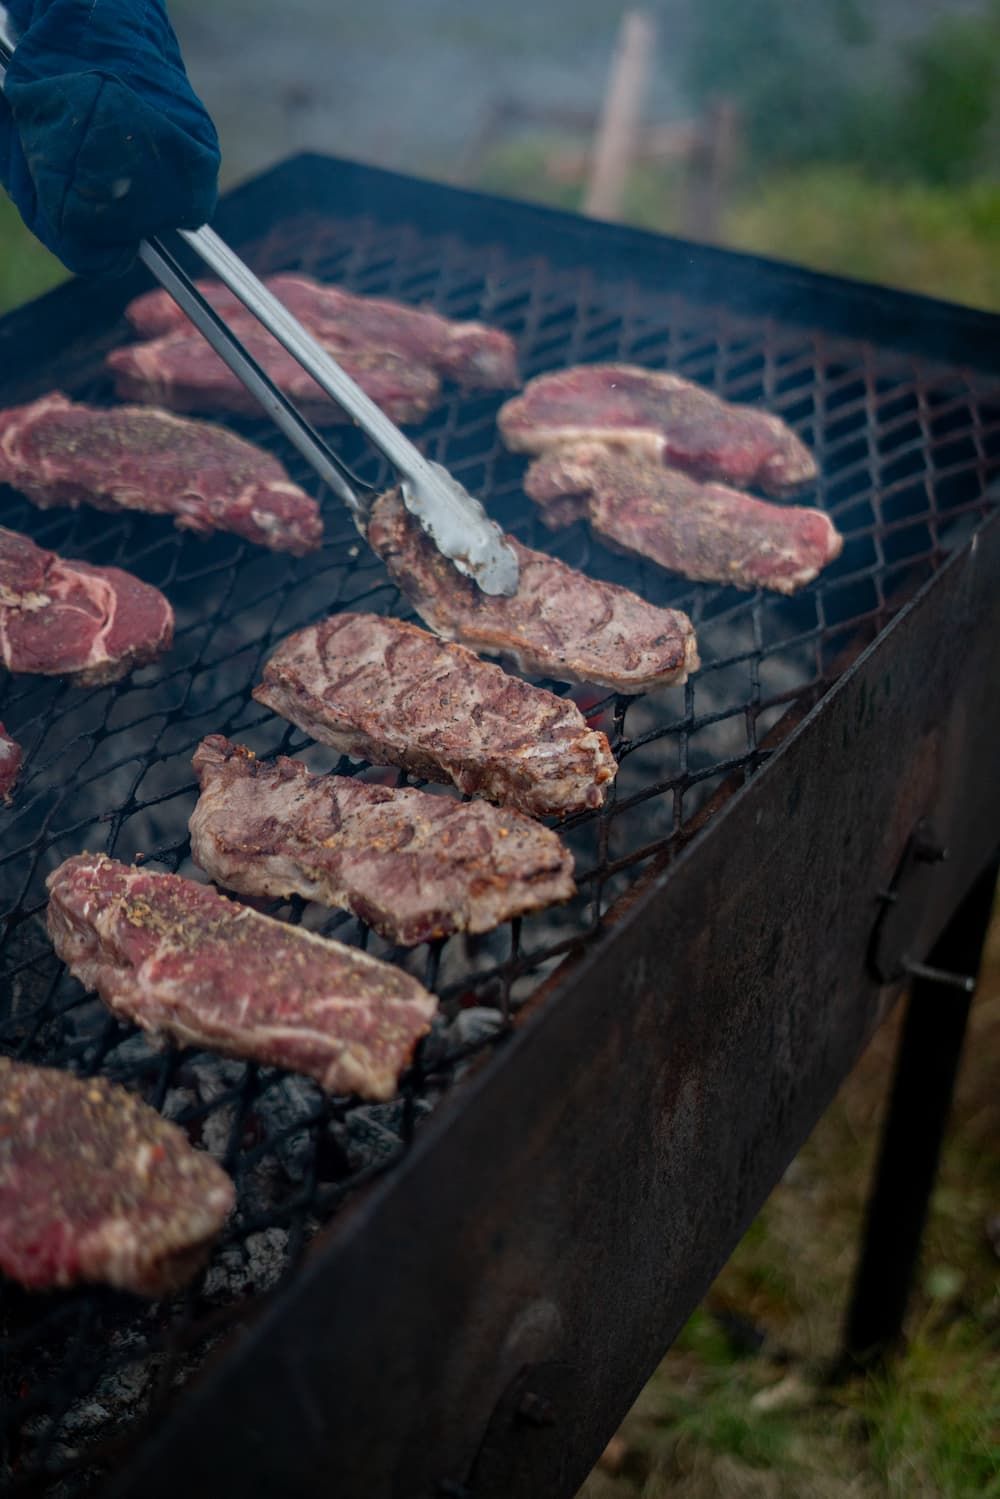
column 940, row 240
column 26, row 268
column 933, row 1426
column 703, row 1428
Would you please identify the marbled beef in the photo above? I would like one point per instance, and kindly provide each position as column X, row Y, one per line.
column 659, row 416
column 183, row 372
column 473, row 354
column 184, row 962
column 135, row 458
column 64, row 618
column 414, row 865
column 95, row 1186
column 560, row 623
column 705, row 531
column 11, row 756
column 382, row 690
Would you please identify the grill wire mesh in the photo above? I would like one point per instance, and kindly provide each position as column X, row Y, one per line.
column 907, row 454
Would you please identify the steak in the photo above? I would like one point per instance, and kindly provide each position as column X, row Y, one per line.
column 187, row 964
column 64, row 618
column 413, row 865
column 183, row 372
column 134, row 458
column 559, row 624
column 472, row 354
column 11, row 756
column 385, row 691
column 661, row 417
column 704, row 531
column 95, row 1186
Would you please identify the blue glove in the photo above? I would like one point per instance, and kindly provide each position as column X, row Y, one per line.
column 102, row 140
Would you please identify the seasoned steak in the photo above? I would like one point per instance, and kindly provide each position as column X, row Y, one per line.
column 11, row 756
column 184, row 962
column 413, row 865
column 134, row 458
column 474, row 355
column 95, row 1186
column 559, row 624
column 661, row 417
column 705, row 531
column 385, row 691
column 182, row 372
column 70, row 619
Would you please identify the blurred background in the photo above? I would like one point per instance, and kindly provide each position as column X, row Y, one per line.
column 857, row 136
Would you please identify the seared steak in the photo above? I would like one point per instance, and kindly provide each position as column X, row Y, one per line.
column 705, row 531
column 133, row 458
column 559, row 624
column 382, row 690
column 182, row 372
column 184, row 962
column 472, row 354
column 95, row 1186
column 413, row 865
column 657, row 416
column 70, row 619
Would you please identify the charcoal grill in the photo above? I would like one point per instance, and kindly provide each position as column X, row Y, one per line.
column 461, row 1292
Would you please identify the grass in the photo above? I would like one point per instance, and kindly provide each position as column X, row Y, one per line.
column 26, row 268
column 940, row 240
column 936, row 1422
column 923, row 237
column 743, row 1405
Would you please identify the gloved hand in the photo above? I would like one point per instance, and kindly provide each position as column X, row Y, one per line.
column 102, row 140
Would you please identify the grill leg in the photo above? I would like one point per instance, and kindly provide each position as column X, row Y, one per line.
column 926, row 1068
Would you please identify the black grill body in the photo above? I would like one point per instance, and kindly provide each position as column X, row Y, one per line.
column 466, row 1288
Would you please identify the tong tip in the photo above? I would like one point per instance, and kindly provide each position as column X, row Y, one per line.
column 462, row 531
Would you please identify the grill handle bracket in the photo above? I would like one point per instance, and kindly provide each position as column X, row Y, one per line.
column 890, row 958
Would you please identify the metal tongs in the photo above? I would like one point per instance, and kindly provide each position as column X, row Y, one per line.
column 456, row 523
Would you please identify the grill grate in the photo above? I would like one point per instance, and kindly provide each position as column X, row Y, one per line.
column 907, row 453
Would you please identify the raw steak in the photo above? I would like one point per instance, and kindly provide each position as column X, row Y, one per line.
column 705, row 531
column 95, row 1186
column 184, row 962
column 70, row 619
column 657, row 416
column 474, row 355
column 133, row 458
column 413, row 865
column 10, row 764
column 182, row 371
column 385, row 691
column 559, row 624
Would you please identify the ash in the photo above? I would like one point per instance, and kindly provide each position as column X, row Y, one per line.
column 254, row 1266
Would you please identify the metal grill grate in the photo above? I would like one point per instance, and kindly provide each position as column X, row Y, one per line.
column 907, row 454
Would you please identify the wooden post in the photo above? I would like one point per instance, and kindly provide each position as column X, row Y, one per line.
column 654, row 143
column 615, row 144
